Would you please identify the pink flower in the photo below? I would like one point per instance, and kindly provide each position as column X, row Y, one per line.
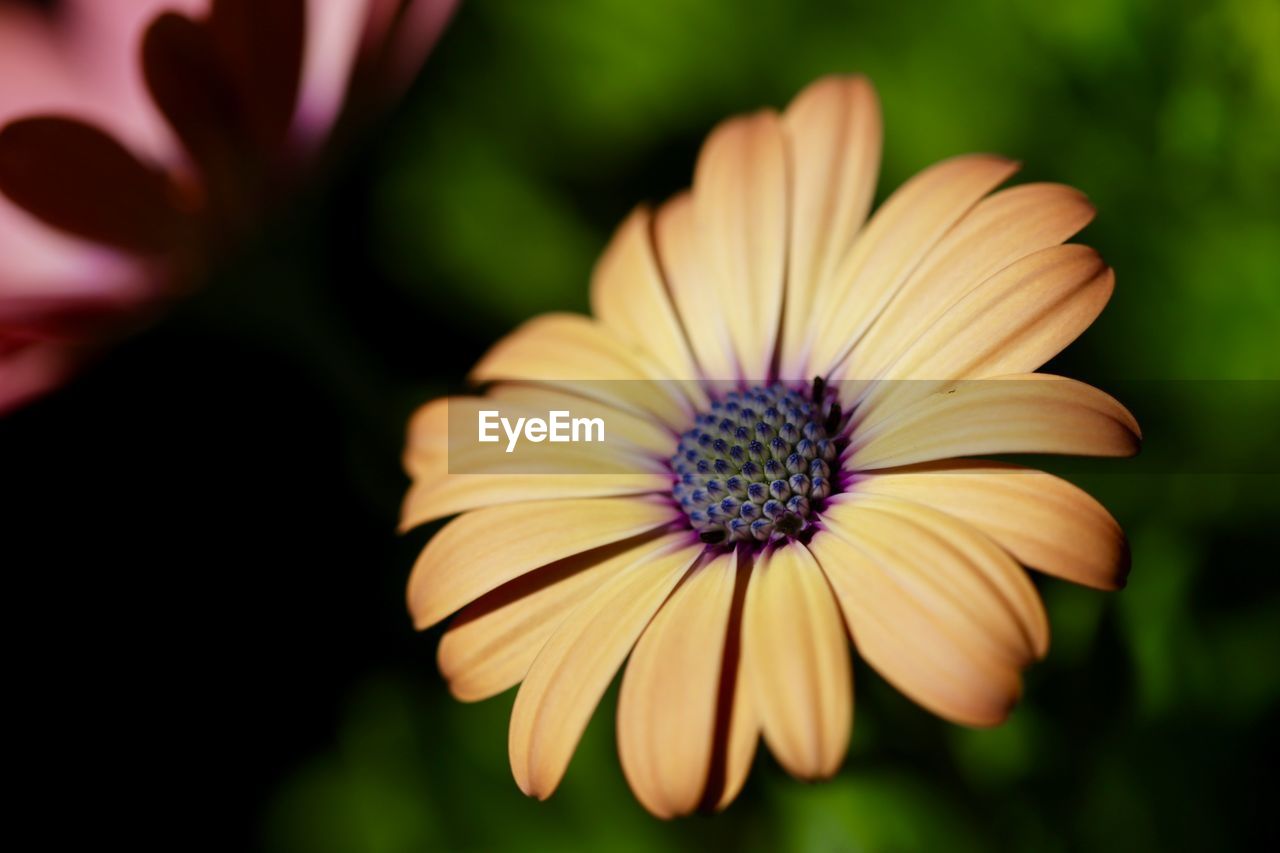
column 140, row 135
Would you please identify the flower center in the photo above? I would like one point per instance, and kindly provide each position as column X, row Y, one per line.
column 758, row 465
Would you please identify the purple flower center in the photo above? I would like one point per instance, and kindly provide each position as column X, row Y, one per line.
column 758, row 464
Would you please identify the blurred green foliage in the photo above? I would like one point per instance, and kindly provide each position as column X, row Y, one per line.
column 534, row 130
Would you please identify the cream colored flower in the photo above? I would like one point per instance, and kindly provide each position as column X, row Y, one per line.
column 754, row 523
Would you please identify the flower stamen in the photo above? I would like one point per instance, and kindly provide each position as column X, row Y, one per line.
column 758, row 465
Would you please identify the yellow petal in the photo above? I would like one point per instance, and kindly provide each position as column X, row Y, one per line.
column 1001, row 229
column 484, row 549
column 833, row 133
column 1027, row 413
column 798, row 655
column 890, row 247
column 430, row 500
column 670, row 691
column 629, row 296
column 929, row 658
column 570, row 674
column 578, row 355
column 959, row 574
column 1013, row 322
column 427, row 438
column 492, row 642
column 1016, row 320
column 741, row 732
column 740, row 211
column 1043, row 521
column 694, row 290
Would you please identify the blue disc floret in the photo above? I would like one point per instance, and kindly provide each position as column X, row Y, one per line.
column 758, row 465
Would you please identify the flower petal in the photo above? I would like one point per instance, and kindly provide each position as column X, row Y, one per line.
column 967, row 578
column 798, row 655
column 999, row 230
column 493, row 641
column 399, row 36
column 430, row 501
column 740, row 212
column 77, row 178
column 694, row 290
column 100, row 40
column 34, row 74
column 628, row 295
column 1027, row 413
column 668, row 703
column 1043, row 521
column 188, row 83
column 891, row 246
column 570, row 674
column 1013, row 322
column 923, row 643
column 334, row 32
column 485, row 548
column 833, row 133
column 26, row 372
column 420, row 28
column 261, row 47
column 738, row 729
column 362, row 52
column 578, row 355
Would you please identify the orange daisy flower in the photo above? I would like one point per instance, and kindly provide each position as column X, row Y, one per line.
column 746, row 519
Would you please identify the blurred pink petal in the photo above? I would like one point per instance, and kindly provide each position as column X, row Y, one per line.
column 261, row 47
column 420, row 29
column 102, row 40
column 46, row 332
column 54, row 65
column 55, row 288
column 334, row 31
column 386, row 39
column 30, row 371
column 96, row 142
column 43, row 272
column 33, row 72
column 82, row 180
column 35, row 259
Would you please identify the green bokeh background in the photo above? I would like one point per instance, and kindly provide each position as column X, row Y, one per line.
column 485, row 198
column 540, row 124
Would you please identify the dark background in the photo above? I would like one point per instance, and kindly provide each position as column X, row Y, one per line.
column 209, row 643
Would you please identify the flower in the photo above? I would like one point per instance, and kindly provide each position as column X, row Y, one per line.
column 140, row 136
column 758, row 520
